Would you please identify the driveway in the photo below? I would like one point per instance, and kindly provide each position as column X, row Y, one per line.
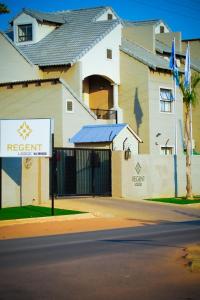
column 104, row 213
column 131, row 209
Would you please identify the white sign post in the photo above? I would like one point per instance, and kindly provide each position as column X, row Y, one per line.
column 27, row 138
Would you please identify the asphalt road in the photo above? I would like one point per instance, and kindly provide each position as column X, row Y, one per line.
column 135, row 263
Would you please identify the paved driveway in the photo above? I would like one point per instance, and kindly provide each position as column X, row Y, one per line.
column 131, row 209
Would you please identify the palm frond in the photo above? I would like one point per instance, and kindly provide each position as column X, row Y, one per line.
column 190, row 95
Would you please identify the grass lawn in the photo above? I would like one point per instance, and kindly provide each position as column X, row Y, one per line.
column 31, row 211
column 179, row 200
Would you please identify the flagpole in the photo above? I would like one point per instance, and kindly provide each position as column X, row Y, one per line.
column 173, row 67
column 175, row 105
column 175, row 113
column 191, row 133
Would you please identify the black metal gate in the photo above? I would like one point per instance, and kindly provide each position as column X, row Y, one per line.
column 82, row 171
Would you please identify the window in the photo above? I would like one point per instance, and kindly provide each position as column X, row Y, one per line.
column 25, row 33
column 166, row 100
column 166, row 150
column 109, row 53
column 110, row 16
column 162, row 29
column 69, row 106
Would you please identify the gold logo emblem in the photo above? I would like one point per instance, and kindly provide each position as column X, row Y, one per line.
column 24, row 131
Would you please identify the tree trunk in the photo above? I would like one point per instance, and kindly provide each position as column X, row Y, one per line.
column 188, row 142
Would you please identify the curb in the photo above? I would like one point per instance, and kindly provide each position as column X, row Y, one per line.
column 47, row 219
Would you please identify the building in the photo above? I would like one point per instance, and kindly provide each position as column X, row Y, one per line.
column 88, row 67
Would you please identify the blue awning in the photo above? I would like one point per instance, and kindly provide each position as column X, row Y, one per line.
column 97, row 133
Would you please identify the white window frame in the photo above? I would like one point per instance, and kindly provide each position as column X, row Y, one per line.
column 167, row 146
column 18, row 29
column 172, row 102
column 69, row 111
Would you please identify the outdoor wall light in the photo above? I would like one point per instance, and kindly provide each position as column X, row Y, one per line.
column 127, row 154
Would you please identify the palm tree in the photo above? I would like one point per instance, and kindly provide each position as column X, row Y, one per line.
column 4, row 9
column 190, row 98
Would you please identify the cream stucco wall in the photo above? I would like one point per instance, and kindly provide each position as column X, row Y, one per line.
column 25, row 181
column 73, row 121
column 72, row 75
column 95, row 60
column 152, row 178
column 194, row 48
column 13, row 66
column 163, row 123
column 35, row 180
column 11, row 181
column 125, row 139
column 133, row 98
column 43, row 101
column 143, row 35
column 167, row 38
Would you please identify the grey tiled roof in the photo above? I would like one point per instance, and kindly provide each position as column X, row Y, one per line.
column 143, row 55
column 71, row 40
column 41, row 16
column 195, row 64
column 163, row 48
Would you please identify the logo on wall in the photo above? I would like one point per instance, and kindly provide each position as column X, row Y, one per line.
column 138, row 180
column 138, row 168
column 24, row 131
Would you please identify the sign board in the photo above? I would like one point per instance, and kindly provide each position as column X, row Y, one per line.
column 25, row 138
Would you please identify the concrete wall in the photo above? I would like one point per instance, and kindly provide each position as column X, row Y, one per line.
column 134, row 99
column 13, row 66
column 163, row 123
column 194, row 48
column 167, row 38
column 43, row 101
column 151, row 176
column 125, row 139
column 73, row 121
column 104, row 66
column 11, row 181
column 143, row 35
column 24, row 181
column 35, row 180
column 72, row 75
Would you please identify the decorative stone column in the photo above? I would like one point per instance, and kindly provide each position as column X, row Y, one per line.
column 115, row 96
column 116, row 103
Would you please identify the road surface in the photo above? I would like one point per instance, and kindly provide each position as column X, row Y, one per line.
column 134, row 263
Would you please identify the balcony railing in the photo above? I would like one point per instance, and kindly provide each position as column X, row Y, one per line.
column 105, row 114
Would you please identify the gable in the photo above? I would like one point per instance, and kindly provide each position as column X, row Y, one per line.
column 13, row 65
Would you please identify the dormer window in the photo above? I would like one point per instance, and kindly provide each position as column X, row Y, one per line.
column 25, row 33
column 162, row 29
column 110, row 16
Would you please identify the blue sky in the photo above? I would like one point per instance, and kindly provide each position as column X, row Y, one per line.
column 180, row 15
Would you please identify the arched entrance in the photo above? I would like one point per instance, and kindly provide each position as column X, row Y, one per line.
column 98, row 92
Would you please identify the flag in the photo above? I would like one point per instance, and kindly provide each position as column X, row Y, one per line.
column 173, row 64
column 187, row 68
